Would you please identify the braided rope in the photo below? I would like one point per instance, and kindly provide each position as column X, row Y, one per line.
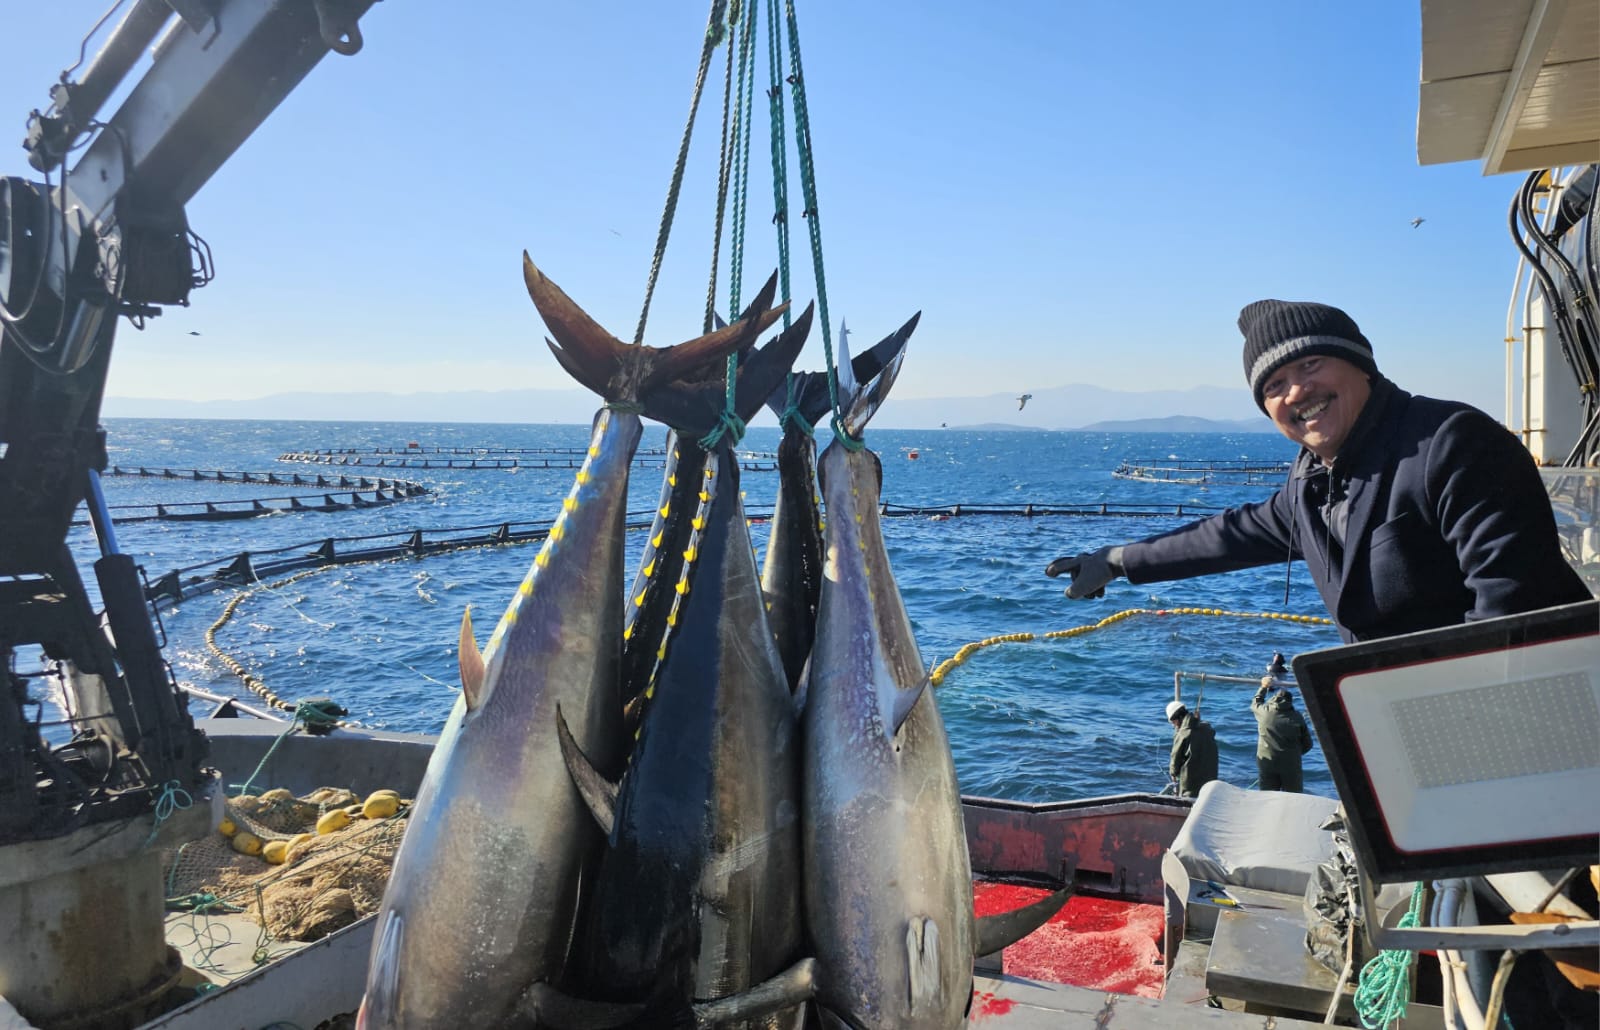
column 713, row 36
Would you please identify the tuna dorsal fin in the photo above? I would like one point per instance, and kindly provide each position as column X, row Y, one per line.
column 599, row 793
column 543, row 1005
column 471, row 662
column 624, row 372
column 1004, row 929
column 794, row 986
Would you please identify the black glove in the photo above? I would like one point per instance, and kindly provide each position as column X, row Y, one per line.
column 1091, row 571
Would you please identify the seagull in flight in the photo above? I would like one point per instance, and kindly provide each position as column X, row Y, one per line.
column 1022, row 402
column 1417, row 221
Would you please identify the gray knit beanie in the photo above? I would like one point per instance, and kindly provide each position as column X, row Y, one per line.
column 1277, row 332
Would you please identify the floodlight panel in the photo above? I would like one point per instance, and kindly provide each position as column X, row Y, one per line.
column 1488, row 748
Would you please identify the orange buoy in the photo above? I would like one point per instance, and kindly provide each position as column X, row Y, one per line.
column 913, row 455
column 413, row 443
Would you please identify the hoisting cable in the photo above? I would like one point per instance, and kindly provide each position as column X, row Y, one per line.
column 966, row 651
column 741, row 154
column 808, row 189
column 725, row 148
column 728, row 421
column 713, row 36
column 791, row 416
column 778, row 143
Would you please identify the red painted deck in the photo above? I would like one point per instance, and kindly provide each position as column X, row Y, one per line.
column 1092, row 942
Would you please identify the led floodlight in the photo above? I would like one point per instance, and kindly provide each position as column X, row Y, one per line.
column 1469, row 749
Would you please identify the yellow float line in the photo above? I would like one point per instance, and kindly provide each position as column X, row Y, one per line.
column 942, row 670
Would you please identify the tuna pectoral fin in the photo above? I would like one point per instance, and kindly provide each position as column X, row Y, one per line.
column 1007, row 928
column 471, row 661
column 793, row 986
column 599, row 793
column 902, row 702
column 546, row 1006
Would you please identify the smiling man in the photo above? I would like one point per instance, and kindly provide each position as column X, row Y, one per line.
column 1411, row 513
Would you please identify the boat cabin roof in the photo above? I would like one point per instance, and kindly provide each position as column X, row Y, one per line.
column 1514, row 84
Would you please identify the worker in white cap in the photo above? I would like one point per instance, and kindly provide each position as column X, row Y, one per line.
column 1194, row 750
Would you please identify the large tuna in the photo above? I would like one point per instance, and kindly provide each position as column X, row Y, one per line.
column 478, row 918
column 791, row 575
column 888, row 888
column 698, row 895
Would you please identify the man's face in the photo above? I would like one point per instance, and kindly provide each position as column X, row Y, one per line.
column 1314, row 401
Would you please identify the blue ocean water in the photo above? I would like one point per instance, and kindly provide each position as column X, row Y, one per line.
column 1034, row 721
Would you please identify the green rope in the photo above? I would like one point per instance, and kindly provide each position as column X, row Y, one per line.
column 172, row 800
column 850, row 443
column 778, row 145
column 741, row 154
column 790, row 417
column 1385, row 985
column 713, row 36
column 728, row 424
column 625, row 407
column 724, row 170
column 308, row 712
column 808, row 187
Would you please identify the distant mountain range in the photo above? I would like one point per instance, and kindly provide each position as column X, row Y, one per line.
column 1201, row 409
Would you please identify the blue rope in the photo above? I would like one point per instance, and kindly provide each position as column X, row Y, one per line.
column 172, row 799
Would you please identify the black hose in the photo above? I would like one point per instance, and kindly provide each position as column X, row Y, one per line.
column 1582, row 365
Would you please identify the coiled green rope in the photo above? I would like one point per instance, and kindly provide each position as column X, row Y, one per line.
column 1385, row 986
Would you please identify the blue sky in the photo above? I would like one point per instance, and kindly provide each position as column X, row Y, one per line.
column 1069, row 192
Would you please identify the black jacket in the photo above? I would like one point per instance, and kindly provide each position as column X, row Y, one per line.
column 1446, row 520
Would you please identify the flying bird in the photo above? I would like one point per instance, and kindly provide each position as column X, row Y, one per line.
column 1022, row 402
column 1417, row 221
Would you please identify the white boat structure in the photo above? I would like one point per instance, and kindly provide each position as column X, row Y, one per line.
column 84, row 823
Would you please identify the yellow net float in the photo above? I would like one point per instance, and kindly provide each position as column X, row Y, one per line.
column 966, row 651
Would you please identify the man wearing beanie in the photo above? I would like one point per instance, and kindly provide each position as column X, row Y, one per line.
column 1411, row 513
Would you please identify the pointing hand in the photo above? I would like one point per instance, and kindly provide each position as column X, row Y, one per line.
column 1091, row 571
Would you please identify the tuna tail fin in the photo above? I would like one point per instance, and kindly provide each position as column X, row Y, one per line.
column 811, row 388
column 693, row 408
column 619, row 371
column 599, row 793
column 543, row 1005
column 794, row 986
column 863, row 401
column 992, row 933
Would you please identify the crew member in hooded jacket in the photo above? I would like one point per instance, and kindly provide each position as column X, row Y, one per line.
column 1281, row 738
column 1411, row 513
column 1194, row 750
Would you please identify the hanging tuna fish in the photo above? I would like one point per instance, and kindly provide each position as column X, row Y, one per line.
column 698, row 893
column 479, row 914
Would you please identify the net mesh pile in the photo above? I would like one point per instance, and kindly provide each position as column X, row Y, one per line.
column 327, row 882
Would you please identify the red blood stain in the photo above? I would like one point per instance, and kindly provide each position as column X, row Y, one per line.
column 1092, row 942
column 985, row 1004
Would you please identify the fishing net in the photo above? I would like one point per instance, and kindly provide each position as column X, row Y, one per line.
column 325, row 881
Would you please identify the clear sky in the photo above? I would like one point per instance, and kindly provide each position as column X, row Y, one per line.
column 1070, row 193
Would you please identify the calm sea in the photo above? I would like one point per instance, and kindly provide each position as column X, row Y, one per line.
column 1033, row 721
